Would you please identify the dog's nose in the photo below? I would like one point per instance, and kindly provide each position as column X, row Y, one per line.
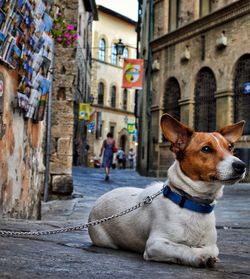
column 239, row 167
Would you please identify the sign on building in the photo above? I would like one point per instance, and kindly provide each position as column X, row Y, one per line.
column 246, row 88
column 132, row 73
column 84, row 111
column 131, row 128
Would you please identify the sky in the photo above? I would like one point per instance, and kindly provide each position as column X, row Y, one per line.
column 127, row 8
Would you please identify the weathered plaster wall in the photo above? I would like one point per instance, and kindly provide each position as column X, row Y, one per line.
column 21, row 166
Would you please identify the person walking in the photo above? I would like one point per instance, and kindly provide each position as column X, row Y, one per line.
column 120, row 157
column 109, row 148
column 131, row 157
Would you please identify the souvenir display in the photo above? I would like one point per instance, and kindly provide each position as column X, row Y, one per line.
column 26, row 45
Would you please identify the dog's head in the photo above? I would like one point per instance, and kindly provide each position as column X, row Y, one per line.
column 205, row 156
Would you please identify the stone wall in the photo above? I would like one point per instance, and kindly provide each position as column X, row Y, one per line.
column 233, row 21
column 62, row 125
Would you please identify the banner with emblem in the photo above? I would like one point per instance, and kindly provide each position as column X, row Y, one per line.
column 132, row 73
column 84, row 111
column 90, row 123
column 246, row 88
column 131, row 128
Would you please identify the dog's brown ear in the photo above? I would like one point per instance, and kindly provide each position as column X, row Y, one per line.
column 176, row 132
column 232, row 132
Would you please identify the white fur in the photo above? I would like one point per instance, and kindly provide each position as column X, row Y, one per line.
column 225, row 169
column 162, row 231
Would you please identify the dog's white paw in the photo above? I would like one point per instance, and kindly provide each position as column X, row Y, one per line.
column 206, row 261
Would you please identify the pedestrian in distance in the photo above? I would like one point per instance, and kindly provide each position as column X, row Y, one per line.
column 120, row 158
column 109, row 147
column 131, row 157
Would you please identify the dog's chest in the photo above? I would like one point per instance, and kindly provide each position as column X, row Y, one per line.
column 187, row 227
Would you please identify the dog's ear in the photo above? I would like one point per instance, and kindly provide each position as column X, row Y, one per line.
column 232, row 132
column 177, row 133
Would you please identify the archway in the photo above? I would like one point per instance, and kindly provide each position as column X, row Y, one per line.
column 241, row 95
column 205, row 102
column 171, row 97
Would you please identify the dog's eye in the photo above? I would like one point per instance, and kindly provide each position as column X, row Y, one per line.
column 207, row 149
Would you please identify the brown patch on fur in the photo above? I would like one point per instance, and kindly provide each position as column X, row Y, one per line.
column 188, row 146
column 202, row 166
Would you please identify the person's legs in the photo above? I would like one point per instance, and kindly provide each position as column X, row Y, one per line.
column 131, row 163
column 107, row 171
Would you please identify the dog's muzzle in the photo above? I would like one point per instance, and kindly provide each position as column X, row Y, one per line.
column 231, row 170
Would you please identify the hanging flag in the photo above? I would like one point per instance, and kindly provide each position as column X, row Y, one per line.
column 131, row 128
column 132, row 73
column 84, row 111
column 90, row 123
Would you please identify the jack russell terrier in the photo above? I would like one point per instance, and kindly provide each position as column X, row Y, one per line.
column 179, row 225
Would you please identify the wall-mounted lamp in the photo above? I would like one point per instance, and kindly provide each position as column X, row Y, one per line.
column 221, row 42
column 119, row 47
column 2, row 127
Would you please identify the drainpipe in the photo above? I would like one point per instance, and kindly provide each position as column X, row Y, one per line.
column 48, row 131
column 149, row 68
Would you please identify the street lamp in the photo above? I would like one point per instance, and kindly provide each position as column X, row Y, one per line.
column 119, row 47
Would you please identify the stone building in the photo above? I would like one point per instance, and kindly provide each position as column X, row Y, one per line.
column 113, row 106
column 86, row 14
column 198, row 71
column 71, row 85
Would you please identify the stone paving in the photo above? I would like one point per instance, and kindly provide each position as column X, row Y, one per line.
column 71, row 255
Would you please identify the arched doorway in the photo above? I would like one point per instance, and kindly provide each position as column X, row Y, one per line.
column 241, row 97
column 171, row 97
column 123, row 142
column 205, row 102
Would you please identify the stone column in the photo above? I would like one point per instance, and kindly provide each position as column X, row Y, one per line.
column 224, row 107
column 187, row 111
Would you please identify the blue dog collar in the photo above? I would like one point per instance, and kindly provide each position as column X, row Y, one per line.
column 184, row 202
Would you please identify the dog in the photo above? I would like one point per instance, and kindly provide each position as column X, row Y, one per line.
column 179, row 225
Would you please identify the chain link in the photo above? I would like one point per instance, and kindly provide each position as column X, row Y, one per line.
column 146, row 201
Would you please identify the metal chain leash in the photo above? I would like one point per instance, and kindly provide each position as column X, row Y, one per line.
column 148, row 200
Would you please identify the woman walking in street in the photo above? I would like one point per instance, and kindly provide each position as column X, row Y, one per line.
column 109, row 148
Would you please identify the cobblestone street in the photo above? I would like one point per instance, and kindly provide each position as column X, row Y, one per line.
column 70, row 255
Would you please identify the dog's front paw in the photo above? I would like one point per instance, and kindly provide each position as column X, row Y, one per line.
column 209, row 261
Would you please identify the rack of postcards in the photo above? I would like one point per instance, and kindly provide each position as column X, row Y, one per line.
column 26, row 45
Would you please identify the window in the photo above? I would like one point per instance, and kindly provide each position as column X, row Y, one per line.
column 125, row 99
column 171, row 99
column 241, row 99
column 114, row 55
column 84, row 39
column 205, row 103
column 99, row 125
column 102, row 50
column 80, row 25
column 100, row 100
column 125, row 53
column 173, row 14
column 112, row 130
column 205, row 7
column 113, row 96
